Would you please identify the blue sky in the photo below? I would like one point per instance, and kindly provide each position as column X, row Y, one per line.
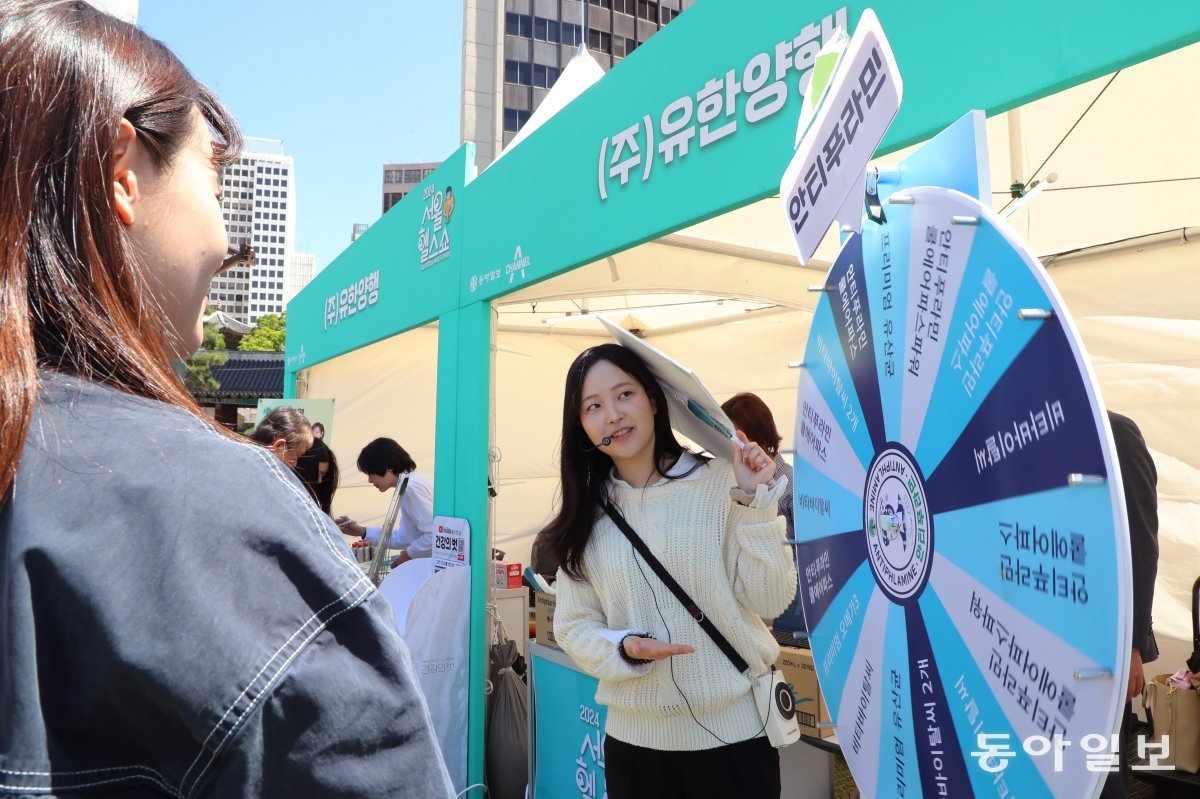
column 347, row 86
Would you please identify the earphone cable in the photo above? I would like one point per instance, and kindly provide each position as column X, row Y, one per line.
column 671, row 665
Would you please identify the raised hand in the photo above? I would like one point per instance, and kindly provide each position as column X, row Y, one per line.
column 751, row 465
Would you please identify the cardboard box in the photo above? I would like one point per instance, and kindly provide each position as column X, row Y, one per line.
column 543, row 619
column 506, row 575
column 798, row 669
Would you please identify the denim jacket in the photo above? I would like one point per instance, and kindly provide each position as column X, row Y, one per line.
column 178, row 618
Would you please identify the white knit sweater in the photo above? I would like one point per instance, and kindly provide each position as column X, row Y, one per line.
column 729, row 558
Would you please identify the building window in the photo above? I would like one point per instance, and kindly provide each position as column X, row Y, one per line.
column 625, row 6
column 544, row 77
column 391, row 198
column 570, row 35
column 599, row 41
column 412, row 176
column 392, row 175
column 518, row 25
column 545, row 30
column 668, row 14
column 518, row 72
column 514, row 119
column 648, row 10
column 601, row 3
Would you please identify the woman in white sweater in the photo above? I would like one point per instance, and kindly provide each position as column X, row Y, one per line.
column 681, row 719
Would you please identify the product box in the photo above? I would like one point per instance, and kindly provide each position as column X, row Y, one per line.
column 798, row 669
column 543, row 619
column 506, row 575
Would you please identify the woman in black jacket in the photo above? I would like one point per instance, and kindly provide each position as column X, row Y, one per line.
column 176, row 617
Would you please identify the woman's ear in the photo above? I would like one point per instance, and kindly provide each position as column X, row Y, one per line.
column 125, row 181
column 279, row 446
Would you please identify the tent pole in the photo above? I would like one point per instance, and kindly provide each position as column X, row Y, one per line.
column 1016, row 162
column 289, row 383
column 460, row 482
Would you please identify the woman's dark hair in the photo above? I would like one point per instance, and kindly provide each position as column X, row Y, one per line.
column 74, row 295
column 325, row 489
column 585, row 469
column 284, row 422
column 752, row 416
column 383, row 454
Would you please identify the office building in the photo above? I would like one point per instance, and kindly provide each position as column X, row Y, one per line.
column 259, row 204
column 297, row 274
column 514, row 50
column 400, row 179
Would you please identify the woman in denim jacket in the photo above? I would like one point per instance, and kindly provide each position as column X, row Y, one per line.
column 176, row 616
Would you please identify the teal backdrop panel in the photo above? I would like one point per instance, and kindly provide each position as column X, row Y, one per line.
column 400, row 273
column 568, row 732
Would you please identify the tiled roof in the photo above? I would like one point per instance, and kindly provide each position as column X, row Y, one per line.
column 248, row 374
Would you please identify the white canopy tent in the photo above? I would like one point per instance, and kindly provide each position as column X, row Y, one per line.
column 728, row 298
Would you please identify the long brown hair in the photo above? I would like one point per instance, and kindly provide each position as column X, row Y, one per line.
column 585, row 468
column 74, row 295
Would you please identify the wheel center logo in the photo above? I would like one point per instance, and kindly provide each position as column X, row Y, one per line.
column 897, row 524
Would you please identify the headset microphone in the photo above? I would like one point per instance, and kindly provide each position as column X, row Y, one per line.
column 604, row 442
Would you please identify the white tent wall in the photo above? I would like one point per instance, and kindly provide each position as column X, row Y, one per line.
column 386, row 389
column 531, row 370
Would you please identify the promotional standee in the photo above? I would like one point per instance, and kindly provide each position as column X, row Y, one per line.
column 951, row 562
column 317, row 411
column 965, row 552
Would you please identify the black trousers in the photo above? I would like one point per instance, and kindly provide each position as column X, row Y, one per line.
column 746, row 770
column 1115, row 787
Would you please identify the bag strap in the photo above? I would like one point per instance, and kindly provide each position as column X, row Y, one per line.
column 675, row 588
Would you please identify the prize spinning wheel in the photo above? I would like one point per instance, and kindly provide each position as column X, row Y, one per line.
column 964, row 547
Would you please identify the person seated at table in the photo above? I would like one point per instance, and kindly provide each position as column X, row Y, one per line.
column 388, row 465
column 286, row 432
